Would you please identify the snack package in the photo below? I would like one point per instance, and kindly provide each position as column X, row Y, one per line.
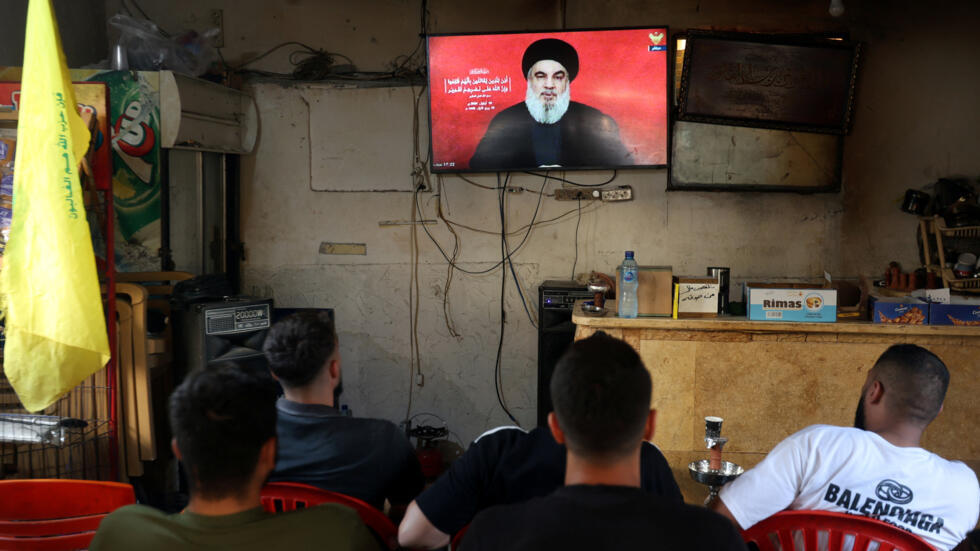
column 7, row 152
column 904, row 310
column 5, row 218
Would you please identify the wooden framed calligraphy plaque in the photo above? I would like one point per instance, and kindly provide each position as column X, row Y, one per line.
column 768, row 81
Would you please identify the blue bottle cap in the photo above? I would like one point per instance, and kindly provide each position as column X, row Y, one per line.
column 629, row 254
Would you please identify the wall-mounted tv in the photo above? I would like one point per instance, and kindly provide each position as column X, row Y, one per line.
column 584, row 99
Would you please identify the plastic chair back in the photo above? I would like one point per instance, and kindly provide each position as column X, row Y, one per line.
column 458, row 538
column 289, row 496
column 811, row 528
column 55, row 514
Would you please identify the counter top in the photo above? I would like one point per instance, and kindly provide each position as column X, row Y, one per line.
column 744, row 325
column 770, row 379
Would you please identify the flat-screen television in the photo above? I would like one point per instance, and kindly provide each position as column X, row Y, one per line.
column 584, row 99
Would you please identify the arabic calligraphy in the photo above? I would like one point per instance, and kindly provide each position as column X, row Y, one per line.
column 698, row 292
column 768, row 75
column 480, row 86
column 62, row 142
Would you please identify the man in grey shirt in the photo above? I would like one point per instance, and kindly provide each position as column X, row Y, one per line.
column 369, row 459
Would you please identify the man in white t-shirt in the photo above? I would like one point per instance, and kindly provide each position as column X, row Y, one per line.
column 876, row 469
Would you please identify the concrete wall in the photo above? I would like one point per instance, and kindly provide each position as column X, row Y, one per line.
column 916, row 119
column 82, row 26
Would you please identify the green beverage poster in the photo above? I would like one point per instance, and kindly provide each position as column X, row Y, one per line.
column 134, row 125
column 134, row 110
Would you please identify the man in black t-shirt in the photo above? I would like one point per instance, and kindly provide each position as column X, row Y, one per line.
column 601, row 393
column 369, row 459
column 507, row 465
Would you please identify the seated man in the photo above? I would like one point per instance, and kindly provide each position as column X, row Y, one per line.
column 876, row 469
column 971, row 543
column 224, row 422
column 506, row 465
column 369, row 459
column 601, row 392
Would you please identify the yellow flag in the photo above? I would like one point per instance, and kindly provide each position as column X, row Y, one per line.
column 55, row 326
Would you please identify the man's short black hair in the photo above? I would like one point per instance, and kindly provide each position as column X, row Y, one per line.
column 299, row 345
column 221, row 416
column 601, row 393
column 915, row 382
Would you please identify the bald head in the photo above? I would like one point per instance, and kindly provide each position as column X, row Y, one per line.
column 915, row 382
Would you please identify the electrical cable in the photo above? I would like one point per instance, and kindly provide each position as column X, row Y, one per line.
column 471, row 182
column 524, row 227
column 311, row 49
column 148, row 18
column 569, row 182
column 458, row 439
column 314, row 65
column 421, row 413
column 498, row 364
column 318, row 62
column 510, row 260
column 450, row 325
column 577, row 222
column 517, row 284
column 423, row 23
column 419, row 182
column 446, row 257
column 411, row 318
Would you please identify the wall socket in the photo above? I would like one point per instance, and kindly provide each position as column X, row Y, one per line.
column 621, row 193
column 576, row 194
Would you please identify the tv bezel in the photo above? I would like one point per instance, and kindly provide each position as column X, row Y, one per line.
column 668, row 105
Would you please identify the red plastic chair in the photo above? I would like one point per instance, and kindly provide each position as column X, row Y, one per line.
column 288, row 496
column 781, row 527
column 458, row 538
column 55, row 514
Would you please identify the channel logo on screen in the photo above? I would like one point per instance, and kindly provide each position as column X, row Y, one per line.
column 657, row 39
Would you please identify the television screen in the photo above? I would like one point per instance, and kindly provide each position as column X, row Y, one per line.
column 586, row 99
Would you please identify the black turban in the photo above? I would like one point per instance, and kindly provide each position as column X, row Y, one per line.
column 554, row 49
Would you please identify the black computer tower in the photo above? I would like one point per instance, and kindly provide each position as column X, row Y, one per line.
column 556, row 299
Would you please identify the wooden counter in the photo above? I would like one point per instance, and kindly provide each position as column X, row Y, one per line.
column 770, row 379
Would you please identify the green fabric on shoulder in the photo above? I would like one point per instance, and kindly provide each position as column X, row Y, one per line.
column 326, row 527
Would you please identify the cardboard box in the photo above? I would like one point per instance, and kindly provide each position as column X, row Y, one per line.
column 905, row 310
column 790, row 302
column 654, row 295
column 959, row 311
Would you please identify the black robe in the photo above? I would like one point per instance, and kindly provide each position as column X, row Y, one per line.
column 587, row 138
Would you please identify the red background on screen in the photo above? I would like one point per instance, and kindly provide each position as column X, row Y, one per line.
column 617, row 75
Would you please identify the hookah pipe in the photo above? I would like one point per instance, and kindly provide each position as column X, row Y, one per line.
column 600, row 284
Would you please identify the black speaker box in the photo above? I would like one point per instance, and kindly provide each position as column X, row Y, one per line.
column 556, row 299
column 230, row 329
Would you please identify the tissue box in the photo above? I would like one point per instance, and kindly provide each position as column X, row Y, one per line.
column 960, row 311
column 905, row 310
column 790, row 302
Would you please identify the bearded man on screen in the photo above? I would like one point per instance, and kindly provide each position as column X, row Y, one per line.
column 548, row 129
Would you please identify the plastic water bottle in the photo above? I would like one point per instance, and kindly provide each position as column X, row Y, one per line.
column 628, row 283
